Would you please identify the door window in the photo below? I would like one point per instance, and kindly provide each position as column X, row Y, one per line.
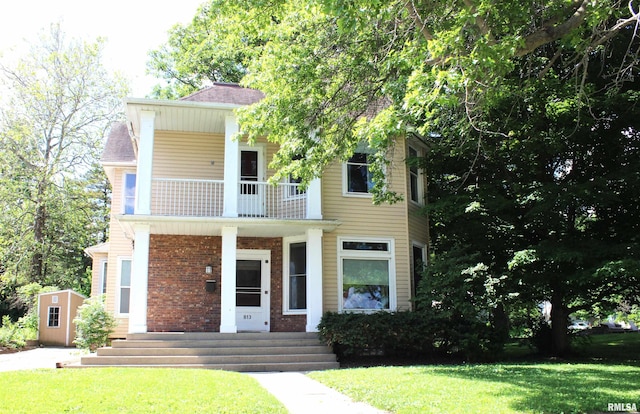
column 248, row 283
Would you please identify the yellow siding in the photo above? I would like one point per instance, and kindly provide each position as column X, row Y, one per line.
column 188, row 155
column 119, row 247
column 360, row 218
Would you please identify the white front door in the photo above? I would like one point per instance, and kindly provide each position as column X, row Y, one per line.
column 253, row 281
column 251, row 196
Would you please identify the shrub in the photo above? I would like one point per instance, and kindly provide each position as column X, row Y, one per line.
column 93, row 324
column 11, row 336
column 420, row 334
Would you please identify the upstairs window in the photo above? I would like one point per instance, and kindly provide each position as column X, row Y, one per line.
column 129, row 195
column 416, row 183
column 357, row 176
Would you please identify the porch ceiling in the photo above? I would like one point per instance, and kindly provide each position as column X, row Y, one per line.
column 180, row 115
column 204, row 226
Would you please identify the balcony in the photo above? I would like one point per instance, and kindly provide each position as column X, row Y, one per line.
column 205, row 198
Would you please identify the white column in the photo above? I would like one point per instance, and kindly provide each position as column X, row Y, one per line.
column 139, row 280
column 145, row 163
column 228, row 282
column 314, row 279
column 231, row 169
column 314, row 200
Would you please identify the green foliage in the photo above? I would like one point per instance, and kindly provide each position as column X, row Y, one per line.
column 93, row 324
column 423, row 334
column 60, row 101
column 11, row 334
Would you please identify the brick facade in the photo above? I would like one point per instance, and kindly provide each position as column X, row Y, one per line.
column 177, row 298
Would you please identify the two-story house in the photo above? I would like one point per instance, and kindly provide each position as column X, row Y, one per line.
column 200, row 242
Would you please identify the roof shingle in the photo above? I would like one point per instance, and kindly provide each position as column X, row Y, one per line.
column 228, row 93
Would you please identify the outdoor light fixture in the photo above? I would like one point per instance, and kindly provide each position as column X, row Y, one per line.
column 208, row 269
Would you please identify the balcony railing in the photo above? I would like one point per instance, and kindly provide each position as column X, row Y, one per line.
column 205, row 198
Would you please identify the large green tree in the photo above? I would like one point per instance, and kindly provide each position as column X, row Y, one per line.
column 58, row 101
column 463, row 76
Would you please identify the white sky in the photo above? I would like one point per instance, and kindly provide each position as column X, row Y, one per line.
column 132, row 28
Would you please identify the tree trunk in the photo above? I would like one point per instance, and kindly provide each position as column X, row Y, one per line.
column 37, row 260
column 559, row 336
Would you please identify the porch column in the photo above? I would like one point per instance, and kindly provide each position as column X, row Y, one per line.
column 145, row 163
column 231, row 168
column 139, row 280
column 228, row 283
column 314, row 200
column 314, row 279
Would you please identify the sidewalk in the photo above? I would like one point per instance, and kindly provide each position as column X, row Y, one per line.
column 302, row 395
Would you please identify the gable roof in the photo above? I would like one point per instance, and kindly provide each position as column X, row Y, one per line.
column 226, row 93
column 118, row 147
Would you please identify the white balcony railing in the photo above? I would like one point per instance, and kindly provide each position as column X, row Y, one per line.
column 205, row 198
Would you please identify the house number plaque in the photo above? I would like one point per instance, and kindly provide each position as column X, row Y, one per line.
column 246, row 316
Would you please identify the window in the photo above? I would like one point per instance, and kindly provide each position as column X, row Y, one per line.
column 125, row 286
column 416, row 182
column 359, row 179
column 367, row 274
column 295, row 283
column 293, row 189
column 103, row 278
column 417, row 264
column 129, row 196
column 54, row 317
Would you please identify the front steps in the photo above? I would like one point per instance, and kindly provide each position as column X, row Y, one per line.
column 242, row 352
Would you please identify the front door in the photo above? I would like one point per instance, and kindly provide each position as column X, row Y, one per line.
column 253, row 280
column 251, row 196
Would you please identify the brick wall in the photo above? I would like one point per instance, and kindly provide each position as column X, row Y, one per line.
column 177, row 299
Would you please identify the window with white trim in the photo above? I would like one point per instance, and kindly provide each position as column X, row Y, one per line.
column 53, row 320
column 102, row 288
column 357, row 178
column 295, row 276
column 418, row 261
column 416, row 182
column 124, row 286
column 129, row 193
column 367, row 274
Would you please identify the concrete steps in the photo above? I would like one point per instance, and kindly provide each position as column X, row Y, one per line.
column 246, row 352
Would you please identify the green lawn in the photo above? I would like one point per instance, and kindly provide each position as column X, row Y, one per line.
column 124, row 390
column 489, row 388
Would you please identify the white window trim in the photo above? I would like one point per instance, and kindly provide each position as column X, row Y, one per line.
column 423, row 248
column 420, row 178
column 119, row 285
column 49, row 316
column 104, row 266
column 365, row 254
column 286, row 242
column 364, row 149
column 123, row 198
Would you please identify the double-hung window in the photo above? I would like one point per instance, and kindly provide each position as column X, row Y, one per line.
column 124, row 288
column 357, row 176
column 129, row 195
column 367, row 274
column 295, row 283
column 416, row 182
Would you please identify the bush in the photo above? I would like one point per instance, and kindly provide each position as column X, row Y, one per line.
column 93, row 324
column 11, row 335
column 421, row 334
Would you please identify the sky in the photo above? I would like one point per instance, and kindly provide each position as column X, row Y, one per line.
column 131, row 27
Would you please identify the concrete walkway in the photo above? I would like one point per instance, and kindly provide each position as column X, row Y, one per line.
column 302, row 395
column 299, row 393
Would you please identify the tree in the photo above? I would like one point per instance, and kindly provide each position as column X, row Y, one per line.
column 58, row 105
column 462, row 76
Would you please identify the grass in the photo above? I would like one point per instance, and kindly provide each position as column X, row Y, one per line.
column 125, row 390
column 588, row 384
column 489, row 388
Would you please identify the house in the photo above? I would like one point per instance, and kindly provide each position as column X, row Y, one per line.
column 200, row 242
column 56, row 312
